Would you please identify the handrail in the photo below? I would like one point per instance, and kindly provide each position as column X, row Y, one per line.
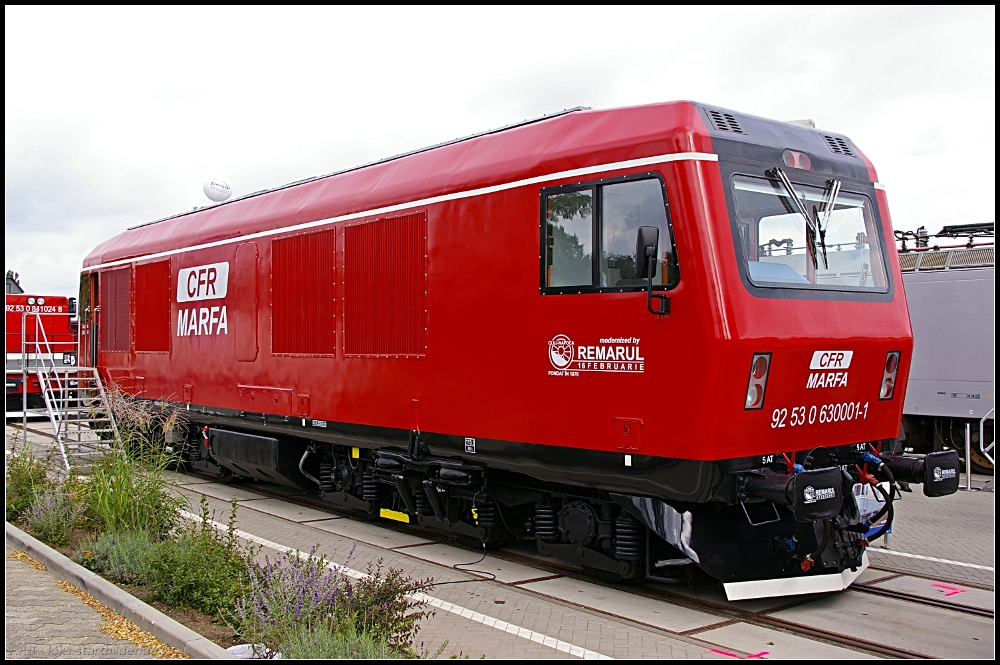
column 968, row 456
column 69, row 391
column 934, row 248
column 38, row 356
column 987, row 450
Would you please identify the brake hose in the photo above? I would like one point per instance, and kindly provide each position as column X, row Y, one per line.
column 886, row 508
column 888, row 496
column 812, row 557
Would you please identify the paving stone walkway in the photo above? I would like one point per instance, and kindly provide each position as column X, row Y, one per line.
column 43, row 621
column 955, row 528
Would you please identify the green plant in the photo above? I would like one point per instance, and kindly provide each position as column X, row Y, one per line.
column 127, row 492
column 286, row 598
column 284, row 594
column 322, row 641
column 200, row 568
column 26, row 476
column 53, row 513
column 122, row 557
column 382, row 604
column 142, row 426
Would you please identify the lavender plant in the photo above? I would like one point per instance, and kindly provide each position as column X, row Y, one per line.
column 282, row 594
column 53, row 513
column 298, row 599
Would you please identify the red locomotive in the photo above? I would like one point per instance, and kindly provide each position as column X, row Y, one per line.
column 643, row 338
column 48, row 331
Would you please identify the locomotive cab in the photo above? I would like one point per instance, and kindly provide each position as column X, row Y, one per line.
column 826, row 335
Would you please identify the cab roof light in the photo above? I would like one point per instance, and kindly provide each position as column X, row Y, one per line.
column 760, row 368
column 888, row 386
column 796, row 159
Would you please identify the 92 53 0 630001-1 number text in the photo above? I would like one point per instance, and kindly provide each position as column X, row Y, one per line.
column 823, row 414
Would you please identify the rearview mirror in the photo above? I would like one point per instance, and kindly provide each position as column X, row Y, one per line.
column 647, row 246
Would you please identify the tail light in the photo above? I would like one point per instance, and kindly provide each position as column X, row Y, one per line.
column 760, row 367
column 888, row 388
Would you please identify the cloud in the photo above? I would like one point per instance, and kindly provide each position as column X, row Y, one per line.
column 115, row 116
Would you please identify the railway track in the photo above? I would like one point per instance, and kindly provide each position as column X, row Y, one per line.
column 725, row 611
column 660, row 592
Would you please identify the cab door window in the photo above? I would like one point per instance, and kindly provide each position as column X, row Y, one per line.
column 570, row 246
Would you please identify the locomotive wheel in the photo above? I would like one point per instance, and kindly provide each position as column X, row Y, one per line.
column 370, row 515
column 493, row 539
column 956, row 437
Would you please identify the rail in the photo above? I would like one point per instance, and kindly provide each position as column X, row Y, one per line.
column 73, row 397
column 39, row 353
column 987, row 451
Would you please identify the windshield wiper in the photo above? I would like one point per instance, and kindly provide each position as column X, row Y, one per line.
column 831, row 201
column 801, row 209
column 813, row 225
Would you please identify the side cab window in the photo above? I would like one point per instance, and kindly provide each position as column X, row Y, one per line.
column 589, row 235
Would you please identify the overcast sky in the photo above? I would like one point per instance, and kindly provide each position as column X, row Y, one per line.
column 116, row 116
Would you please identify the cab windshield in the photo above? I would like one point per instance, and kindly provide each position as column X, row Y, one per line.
column 835, row 247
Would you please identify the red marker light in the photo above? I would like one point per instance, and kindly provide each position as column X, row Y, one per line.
column 759, row 368
column 891, row 363
column 888, row 387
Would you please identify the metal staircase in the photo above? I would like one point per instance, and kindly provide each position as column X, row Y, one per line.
column 79, row 412
column 75, row 399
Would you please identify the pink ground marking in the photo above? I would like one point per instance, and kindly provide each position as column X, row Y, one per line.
column 724, row 653
column 733, row 655
column 950, row 589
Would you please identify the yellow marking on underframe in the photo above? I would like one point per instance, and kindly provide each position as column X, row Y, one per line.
column 394, row 515
column 355, row 453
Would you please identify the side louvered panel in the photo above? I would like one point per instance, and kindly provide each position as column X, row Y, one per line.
column 838, row 145
column 123, row 284
column 385, row 280
column 303, row 294
column 106, row 319
column 114, row 320
column 725, row 122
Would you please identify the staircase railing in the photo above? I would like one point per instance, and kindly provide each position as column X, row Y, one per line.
column 75, row 400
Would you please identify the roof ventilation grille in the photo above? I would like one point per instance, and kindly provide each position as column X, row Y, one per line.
column 725, row 122
column 838, row 145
